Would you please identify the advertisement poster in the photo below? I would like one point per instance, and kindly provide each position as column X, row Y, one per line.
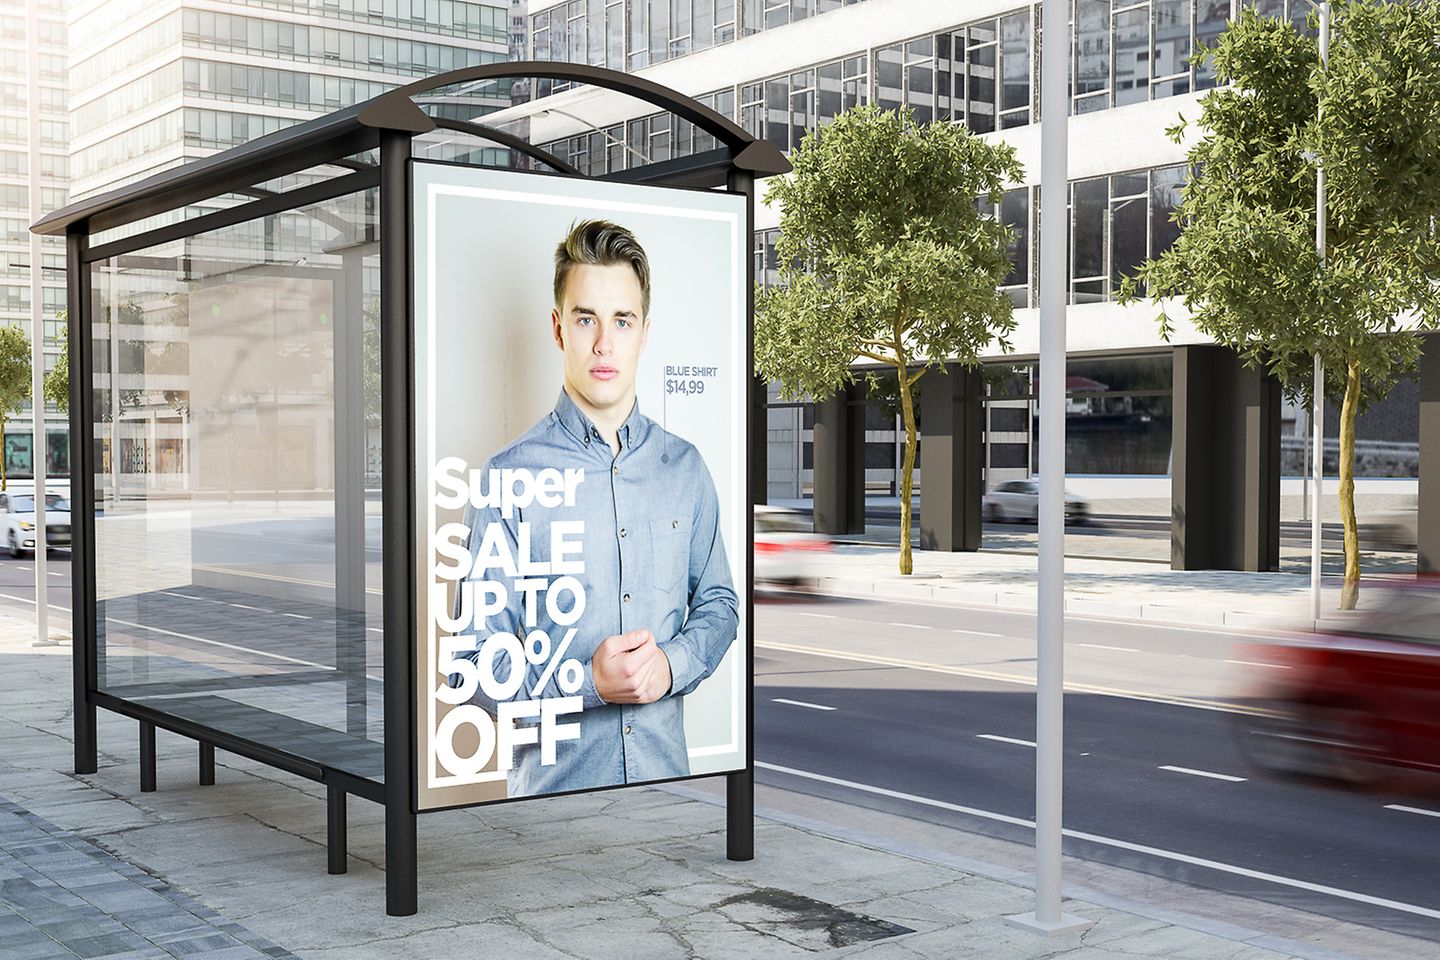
column 580, row 489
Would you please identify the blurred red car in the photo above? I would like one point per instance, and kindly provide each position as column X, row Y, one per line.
column 787, row 550
column 1350, row 702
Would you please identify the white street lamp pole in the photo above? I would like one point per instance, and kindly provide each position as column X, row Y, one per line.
column 1317, row 414
column 1050, row 641
column 38, row 446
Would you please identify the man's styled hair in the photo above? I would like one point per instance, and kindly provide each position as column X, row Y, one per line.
column 601, row 243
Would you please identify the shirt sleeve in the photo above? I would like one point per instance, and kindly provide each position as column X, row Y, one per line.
column 713, row 620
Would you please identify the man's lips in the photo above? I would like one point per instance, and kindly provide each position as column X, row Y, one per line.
column 604, row 373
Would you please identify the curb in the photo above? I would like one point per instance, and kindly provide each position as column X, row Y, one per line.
column 1157, row 613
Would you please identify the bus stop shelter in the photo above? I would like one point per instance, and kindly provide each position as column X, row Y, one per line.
column 242, row 426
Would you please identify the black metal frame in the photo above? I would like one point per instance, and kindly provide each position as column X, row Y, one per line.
column 389, row 123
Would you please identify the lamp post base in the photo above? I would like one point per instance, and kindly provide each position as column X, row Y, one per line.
column 1066, row 924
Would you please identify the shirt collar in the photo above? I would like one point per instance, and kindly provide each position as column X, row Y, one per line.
column 632, row 431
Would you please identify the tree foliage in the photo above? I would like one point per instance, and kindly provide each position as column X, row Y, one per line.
column 886, row 256
column 1245, row 264
column 14, row 380
column 57, row 381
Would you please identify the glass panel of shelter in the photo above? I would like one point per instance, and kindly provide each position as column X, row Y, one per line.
column 236, row 390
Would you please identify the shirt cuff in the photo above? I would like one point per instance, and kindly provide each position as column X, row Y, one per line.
column 588, row 694
column 683, row 667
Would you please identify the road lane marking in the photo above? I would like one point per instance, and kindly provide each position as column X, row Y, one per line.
column 976, row 633
column 220, row 643
column 822, row 616
column 1101, row 646
column 374, row 629
column 182, row 596
column 1420, row 810
column 913, row 626
column 974, row 674
column 1204, row 773
column 243, row 606
column 54, row 573
column 1257, row 663
column 802, row 703
column 295, row 616
column 999, row 739
column 1274, row 878
column 52, row 606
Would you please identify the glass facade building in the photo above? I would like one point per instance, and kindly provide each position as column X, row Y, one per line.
column 787, row 69
column 47, row 48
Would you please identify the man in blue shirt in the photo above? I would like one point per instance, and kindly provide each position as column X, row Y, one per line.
column 660, row 610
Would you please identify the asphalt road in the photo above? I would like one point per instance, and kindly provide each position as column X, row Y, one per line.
column 927, row 712
column 1150, row 785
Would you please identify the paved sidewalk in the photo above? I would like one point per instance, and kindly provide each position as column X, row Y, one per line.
column 636, row 874
column 1124, row 589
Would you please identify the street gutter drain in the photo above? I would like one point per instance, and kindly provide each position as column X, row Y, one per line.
column 807, row 923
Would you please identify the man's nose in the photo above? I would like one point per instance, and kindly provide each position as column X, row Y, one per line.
column 603, row 344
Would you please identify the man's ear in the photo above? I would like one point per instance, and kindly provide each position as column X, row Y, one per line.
column 556, row 330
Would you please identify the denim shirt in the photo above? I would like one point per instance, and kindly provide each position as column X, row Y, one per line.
column 654, row 559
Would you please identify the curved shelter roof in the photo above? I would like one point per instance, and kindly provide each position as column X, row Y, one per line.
column 356, row 129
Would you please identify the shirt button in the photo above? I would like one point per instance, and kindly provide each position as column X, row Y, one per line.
column 627, row 728
column 587, row 438
column 674, row 524
column 622, row 533
column 625, row 598
column 614, row 471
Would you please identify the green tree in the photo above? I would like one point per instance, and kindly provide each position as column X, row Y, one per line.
column 885, row 256
column 57, row 381
column 1245, row 264
column 14, row 381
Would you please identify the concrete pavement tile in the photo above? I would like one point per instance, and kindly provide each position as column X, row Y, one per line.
column 486, row 940
column 602, row 929
column 1183, row 944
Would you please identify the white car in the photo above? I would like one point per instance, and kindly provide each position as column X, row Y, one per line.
column 17, row 515
column 787, row 550
column 1017, row 501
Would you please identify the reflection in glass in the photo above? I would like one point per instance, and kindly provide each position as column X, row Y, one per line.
column 1165, row 186
column 1132, row 51
column 1089, row 205
column 1015, row 61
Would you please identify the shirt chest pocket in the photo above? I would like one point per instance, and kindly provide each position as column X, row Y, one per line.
column 670, row 546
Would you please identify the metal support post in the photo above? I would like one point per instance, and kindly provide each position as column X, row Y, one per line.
column 1050, row 667
column 83, row 625
column 740, row 786
column 207, row 764
column 398, row 482
column 335, row 837
column 147, row 757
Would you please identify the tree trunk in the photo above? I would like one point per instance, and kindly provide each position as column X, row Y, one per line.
column 4, row 479
column 1350, row 592
column 907, row 471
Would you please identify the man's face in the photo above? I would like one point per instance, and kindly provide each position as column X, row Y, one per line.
column 601, row 329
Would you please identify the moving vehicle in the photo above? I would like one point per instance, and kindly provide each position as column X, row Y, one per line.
column 1017, row 501
column 17, row 518
column 1354, row 700
column 787, row 550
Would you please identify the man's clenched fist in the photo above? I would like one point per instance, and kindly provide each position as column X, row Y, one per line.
column 630, row 668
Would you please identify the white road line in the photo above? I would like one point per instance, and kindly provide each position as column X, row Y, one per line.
column 220, row 643
column 1204, row 773
column 999, row 739
column 54, row 573
column 182, row 596
column 1101, row 646
column 822, row 616
column 802, row 703
column 976, row 633
column 913, row 626
column 1420, row 810
column 1257, row 663
column 52, row 606
column 243, row 606
column 295, row 616
column 1120, row 844
column 374, row 629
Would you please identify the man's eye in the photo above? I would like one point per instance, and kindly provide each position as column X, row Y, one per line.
column 622, row 322
column 585, row 320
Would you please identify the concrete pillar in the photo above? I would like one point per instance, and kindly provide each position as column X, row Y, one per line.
column 1427, row 555
column 839, row 462
column 952, row 456
column 1225, row 484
